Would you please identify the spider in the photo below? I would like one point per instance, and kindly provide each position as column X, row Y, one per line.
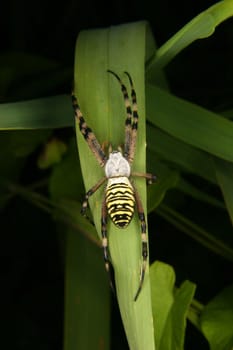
column 120, row 195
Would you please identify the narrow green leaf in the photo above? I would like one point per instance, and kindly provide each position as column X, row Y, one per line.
column 180, row 154
column 190, row 123
column 42, row 113
column 201, row 26
column 171, row 306
column 224, row 172
column 194, row 192
column 87, row 295
column 194, row 312
column 15, row 65
column 217, row 320
column 195, row 231
column 121, row 48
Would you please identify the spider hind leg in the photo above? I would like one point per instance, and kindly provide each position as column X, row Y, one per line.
column 144, row 241
column 108, row 265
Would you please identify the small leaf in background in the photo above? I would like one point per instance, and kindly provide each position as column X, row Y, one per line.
column 171, row 305
column 217, row 320
column 68, row 169
column 15, row 147
column 166, row 178
column 52, row 153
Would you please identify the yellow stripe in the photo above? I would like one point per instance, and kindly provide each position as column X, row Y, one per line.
column 120, row 203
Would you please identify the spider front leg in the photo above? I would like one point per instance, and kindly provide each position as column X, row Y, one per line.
column 128, row 120
column 88, row 134
column 134, row 125
column 131, row 121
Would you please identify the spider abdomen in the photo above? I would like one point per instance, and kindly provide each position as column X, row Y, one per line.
column 120, row 201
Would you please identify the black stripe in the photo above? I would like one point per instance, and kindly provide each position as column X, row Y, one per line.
column 112, row 197
column 123, row 202
column 119, row 205
column 113, row 210
column 120, row 186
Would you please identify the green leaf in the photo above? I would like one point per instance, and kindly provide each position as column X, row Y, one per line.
column 68, row 169
column 121, row 48
column 180, row 154
column 200, row 195
column 195, row 231
column 190, row 123
column 224, row 172
column 217, row 320
column 25, row 76
column 171, row 306
column 52, row 153
column 16, row 146
column 87, row 293
column 87, row 302
column 42, row 113
column 20, row 66
column 166, row 179
column 201, row 26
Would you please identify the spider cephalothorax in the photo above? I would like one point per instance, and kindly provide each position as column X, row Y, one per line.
column 120, row 196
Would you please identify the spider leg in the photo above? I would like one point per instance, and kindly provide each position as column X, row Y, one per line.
column 107, row 262
column 151, row 178
column 128, row 126
column 90, row 193
column 141, row 216
column 134, row 125
column 88, row 134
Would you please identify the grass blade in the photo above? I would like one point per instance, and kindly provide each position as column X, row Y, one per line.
column 224, row 172
column 42, row 113
column 120, row 48
column 190, row 123
column 201, row 26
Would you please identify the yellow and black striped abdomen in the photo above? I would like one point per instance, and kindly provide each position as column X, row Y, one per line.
column 120, row 201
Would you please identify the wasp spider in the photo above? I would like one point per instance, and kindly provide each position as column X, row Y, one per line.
column 120, row 196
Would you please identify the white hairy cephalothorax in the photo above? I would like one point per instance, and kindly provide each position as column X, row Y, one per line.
column 117, row 165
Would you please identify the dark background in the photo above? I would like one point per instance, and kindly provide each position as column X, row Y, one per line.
column 50, row 29
column 32, row 270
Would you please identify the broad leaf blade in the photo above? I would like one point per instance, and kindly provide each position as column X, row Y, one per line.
column 120, row 48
